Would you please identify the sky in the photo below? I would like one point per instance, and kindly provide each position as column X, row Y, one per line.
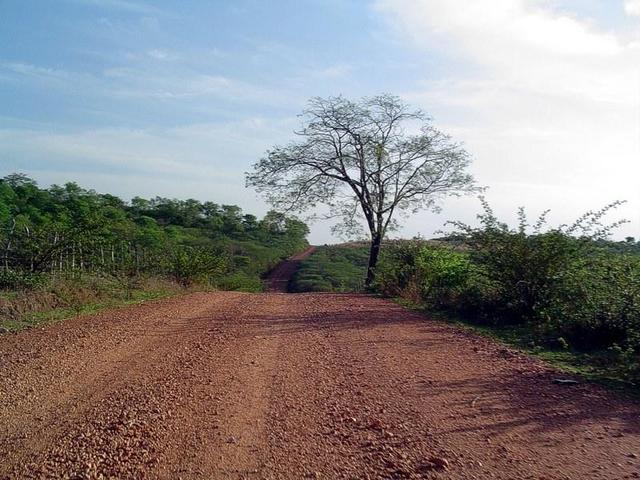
column 179, row 99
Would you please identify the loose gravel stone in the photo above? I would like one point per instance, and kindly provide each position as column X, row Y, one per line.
column 279, row 386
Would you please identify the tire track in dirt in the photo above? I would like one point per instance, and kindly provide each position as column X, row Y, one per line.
column 115, row 365
column 227, row 408
column 253, row 386
column 333, row 415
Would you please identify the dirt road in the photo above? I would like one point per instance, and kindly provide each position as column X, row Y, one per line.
column 233, row 385
column 278, row 279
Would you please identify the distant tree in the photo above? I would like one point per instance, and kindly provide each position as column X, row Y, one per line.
column 231, row 220
column 140, row 206
column 358, row 158
column 274, row 222
column 16, row 180
column 249, row 222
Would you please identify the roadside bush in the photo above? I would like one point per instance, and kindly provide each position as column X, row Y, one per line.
column 438, row 276
column 528, row 268
column 398, row 274
column 188, row 265
column 19, row 280
column 597, row 303
column 596, row 308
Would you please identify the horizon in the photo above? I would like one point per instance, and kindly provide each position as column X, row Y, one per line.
column 139, row 99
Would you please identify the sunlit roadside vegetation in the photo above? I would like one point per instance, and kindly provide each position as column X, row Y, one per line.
column 566, row 290
column 66, row 247
column 567, row 294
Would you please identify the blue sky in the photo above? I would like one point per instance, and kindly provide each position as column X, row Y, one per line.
column 179, row 98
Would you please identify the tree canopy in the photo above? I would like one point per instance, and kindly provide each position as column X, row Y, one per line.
column 367, row 161
column 70, row 230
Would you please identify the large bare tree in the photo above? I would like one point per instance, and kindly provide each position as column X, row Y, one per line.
column 366, row 161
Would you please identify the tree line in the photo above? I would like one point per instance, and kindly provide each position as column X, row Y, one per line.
column 72, row 230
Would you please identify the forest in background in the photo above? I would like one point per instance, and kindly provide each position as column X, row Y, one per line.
column 65, row 246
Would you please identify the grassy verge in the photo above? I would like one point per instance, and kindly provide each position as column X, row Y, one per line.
column 61, row 298
column 334, row 268
column 55, row 298
column 597, row 367
column 45, row 317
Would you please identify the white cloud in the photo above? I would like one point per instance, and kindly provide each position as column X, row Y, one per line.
column 547, row 103
column 177, row 85
column 632, row 7
column 211, row 157
column 125, row 5
column 333, row 71
column 30, row 70
column 161, row 55
column 530, row 47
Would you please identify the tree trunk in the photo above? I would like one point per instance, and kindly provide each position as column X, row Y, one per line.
column 374, row 252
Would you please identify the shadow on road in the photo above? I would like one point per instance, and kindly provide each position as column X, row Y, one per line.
column 509, row 391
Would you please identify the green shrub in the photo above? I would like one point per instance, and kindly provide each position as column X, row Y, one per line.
column 527, row 269
column 397, row 273
column 187, row 265
column 438, row 276
column 597, row 303
column 20, row 280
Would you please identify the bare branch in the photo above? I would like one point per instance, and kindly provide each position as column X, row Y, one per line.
column 357, row 156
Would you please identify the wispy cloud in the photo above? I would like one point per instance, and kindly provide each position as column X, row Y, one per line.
column 30, row 70
column 126, row 5
column 191, row 86
column 56, row 79
column 216, row 154
column 541, row 98
column 332, row 72
column 144, row 82
column 159, row 54
column 632, row 7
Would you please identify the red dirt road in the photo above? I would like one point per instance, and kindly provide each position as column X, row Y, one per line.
column 251, row 386
column 278, row 279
